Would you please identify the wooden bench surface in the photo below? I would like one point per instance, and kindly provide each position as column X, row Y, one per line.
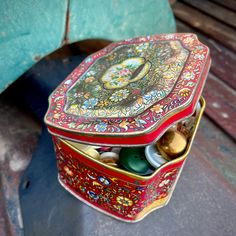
column 215, row 26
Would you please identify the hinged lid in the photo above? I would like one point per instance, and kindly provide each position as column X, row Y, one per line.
column 130, row 92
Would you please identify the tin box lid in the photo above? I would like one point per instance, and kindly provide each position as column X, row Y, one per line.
column 131, row 91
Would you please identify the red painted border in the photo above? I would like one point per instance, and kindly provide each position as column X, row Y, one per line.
column 130, row 136
column 136, row 140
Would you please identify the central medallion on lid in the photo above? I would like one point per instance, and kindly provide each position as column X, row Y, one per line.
column 128, row 80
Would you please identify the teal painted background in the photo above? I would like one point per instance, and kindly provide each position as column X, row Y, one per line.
column 31, row 29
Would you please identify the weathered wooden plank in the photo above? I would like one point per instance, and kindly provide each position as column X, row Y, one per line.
column 223, row 60
column 214, row 147
column 230, row 4
column 212, row 9
column 221, row 104
column 222, row 33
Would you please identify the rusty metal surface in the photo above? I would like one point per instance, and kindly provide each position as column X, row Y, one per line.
column 203, row 203
column 22, row 107
column 18, row 137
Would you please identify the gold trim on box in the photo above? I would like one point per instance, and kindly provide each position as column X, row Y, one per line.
column 153, row 206
column 150, row 128
column 135, row 133
column 138, row 177
column 141, row 215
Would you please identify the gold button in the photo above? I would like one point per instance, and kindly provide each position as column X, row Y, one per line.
column 172, row 144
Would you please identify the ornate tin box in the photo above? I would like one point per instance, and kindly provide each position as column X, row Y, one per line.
column 127, row 94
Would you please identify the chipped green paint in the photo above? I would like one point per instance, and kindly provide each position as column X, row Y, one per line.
column 31, row 29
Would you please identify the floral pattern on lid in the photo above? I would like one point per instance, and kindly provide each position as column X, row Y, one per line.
column 127, row 80
column 129, row 86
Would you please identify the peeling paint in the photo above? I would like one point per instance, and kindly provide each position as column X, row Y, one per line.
column 225, row 115
column 216, row 105
column 65, row 39
column 17, row 163
column 37, row 58
column 50, row 216
column 3, row 150
column 19, row 217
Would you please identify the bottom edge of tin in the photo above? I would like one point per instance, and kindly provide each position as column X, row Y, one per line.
column 111, row 215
